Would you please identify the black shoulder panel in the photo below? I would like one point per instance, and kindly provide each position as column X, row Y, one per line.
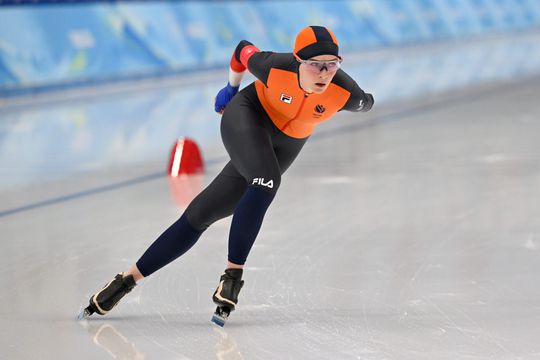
column 261, row 63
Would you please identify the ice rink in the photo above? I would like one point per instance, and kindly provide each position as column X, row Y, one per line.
column 411, row 232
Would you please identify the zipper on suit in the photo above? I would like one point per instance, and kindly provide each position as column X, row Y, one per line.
column 297, row 113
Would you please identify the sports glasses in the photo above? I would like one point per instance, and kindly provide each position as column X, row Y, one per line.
column 317, row 66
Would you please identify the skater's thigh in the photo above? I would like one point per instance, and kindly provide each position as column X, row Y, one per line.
column 287, row 149
column 248, row 142
column 218, row 200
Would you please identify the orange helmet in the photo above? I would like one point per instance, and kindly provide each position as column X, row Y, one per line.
column 315, row 40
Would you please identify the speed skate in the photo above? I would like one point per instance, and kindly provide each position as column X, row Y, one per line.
column 106, row 299
column 226, row 295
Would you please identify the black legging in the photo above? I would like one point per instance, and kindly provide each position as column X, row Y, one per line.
column 258, row 149
column 260, row 153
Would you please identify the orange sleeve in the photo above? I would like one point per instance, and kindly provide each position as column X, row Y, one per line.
column 244, row 50
column 246, row 53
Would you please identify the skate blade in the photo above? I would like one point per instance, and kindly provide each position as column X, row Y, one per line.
column 220, row 316
column 84, row 314
column 219, row 320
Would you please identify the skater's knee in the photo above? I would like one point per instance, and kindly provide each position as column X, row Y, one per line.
column 200, row 214
column 198, row 219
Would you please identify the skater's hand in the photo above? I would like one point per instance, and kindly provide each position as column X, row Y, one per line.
column 224, row 96
column 366, row 103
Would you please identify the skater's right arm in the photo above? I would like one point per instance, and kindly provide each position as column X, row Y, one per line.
column 246, row 56
column 244, row 50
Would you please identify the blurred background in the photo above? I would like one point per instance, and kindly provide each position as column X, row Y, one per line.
column 102, row 83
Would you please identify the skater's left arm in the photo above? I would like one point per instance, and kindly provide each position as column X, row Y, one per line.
column 358, row 99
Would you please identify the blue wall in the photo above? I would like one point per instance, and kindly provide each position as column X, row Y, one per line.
column 50, row 46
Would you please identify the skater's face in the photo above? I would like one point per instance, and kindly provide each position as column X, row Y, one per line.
column 317, row 72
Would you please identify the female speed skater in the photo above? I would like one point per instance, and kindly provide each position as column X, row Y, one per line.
column 263, row 128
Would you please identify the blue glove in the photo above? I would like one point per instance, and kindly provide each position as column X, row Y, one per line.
column 224, row 96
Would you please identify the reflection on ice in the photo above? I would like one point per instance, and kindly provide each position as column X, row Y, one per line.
column 226, row 347
column 108, row 338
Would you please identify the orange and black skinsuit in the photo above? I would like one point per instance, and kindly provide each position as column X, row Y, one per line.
column 263, row 129
column 293, row 111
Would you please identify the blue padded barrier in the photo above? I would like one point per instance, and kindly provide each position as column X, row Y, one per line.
column 57, row 45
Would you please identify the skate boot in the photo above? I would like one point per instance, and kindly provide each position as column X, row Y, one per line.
column 226, row 295
column 107, row 298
